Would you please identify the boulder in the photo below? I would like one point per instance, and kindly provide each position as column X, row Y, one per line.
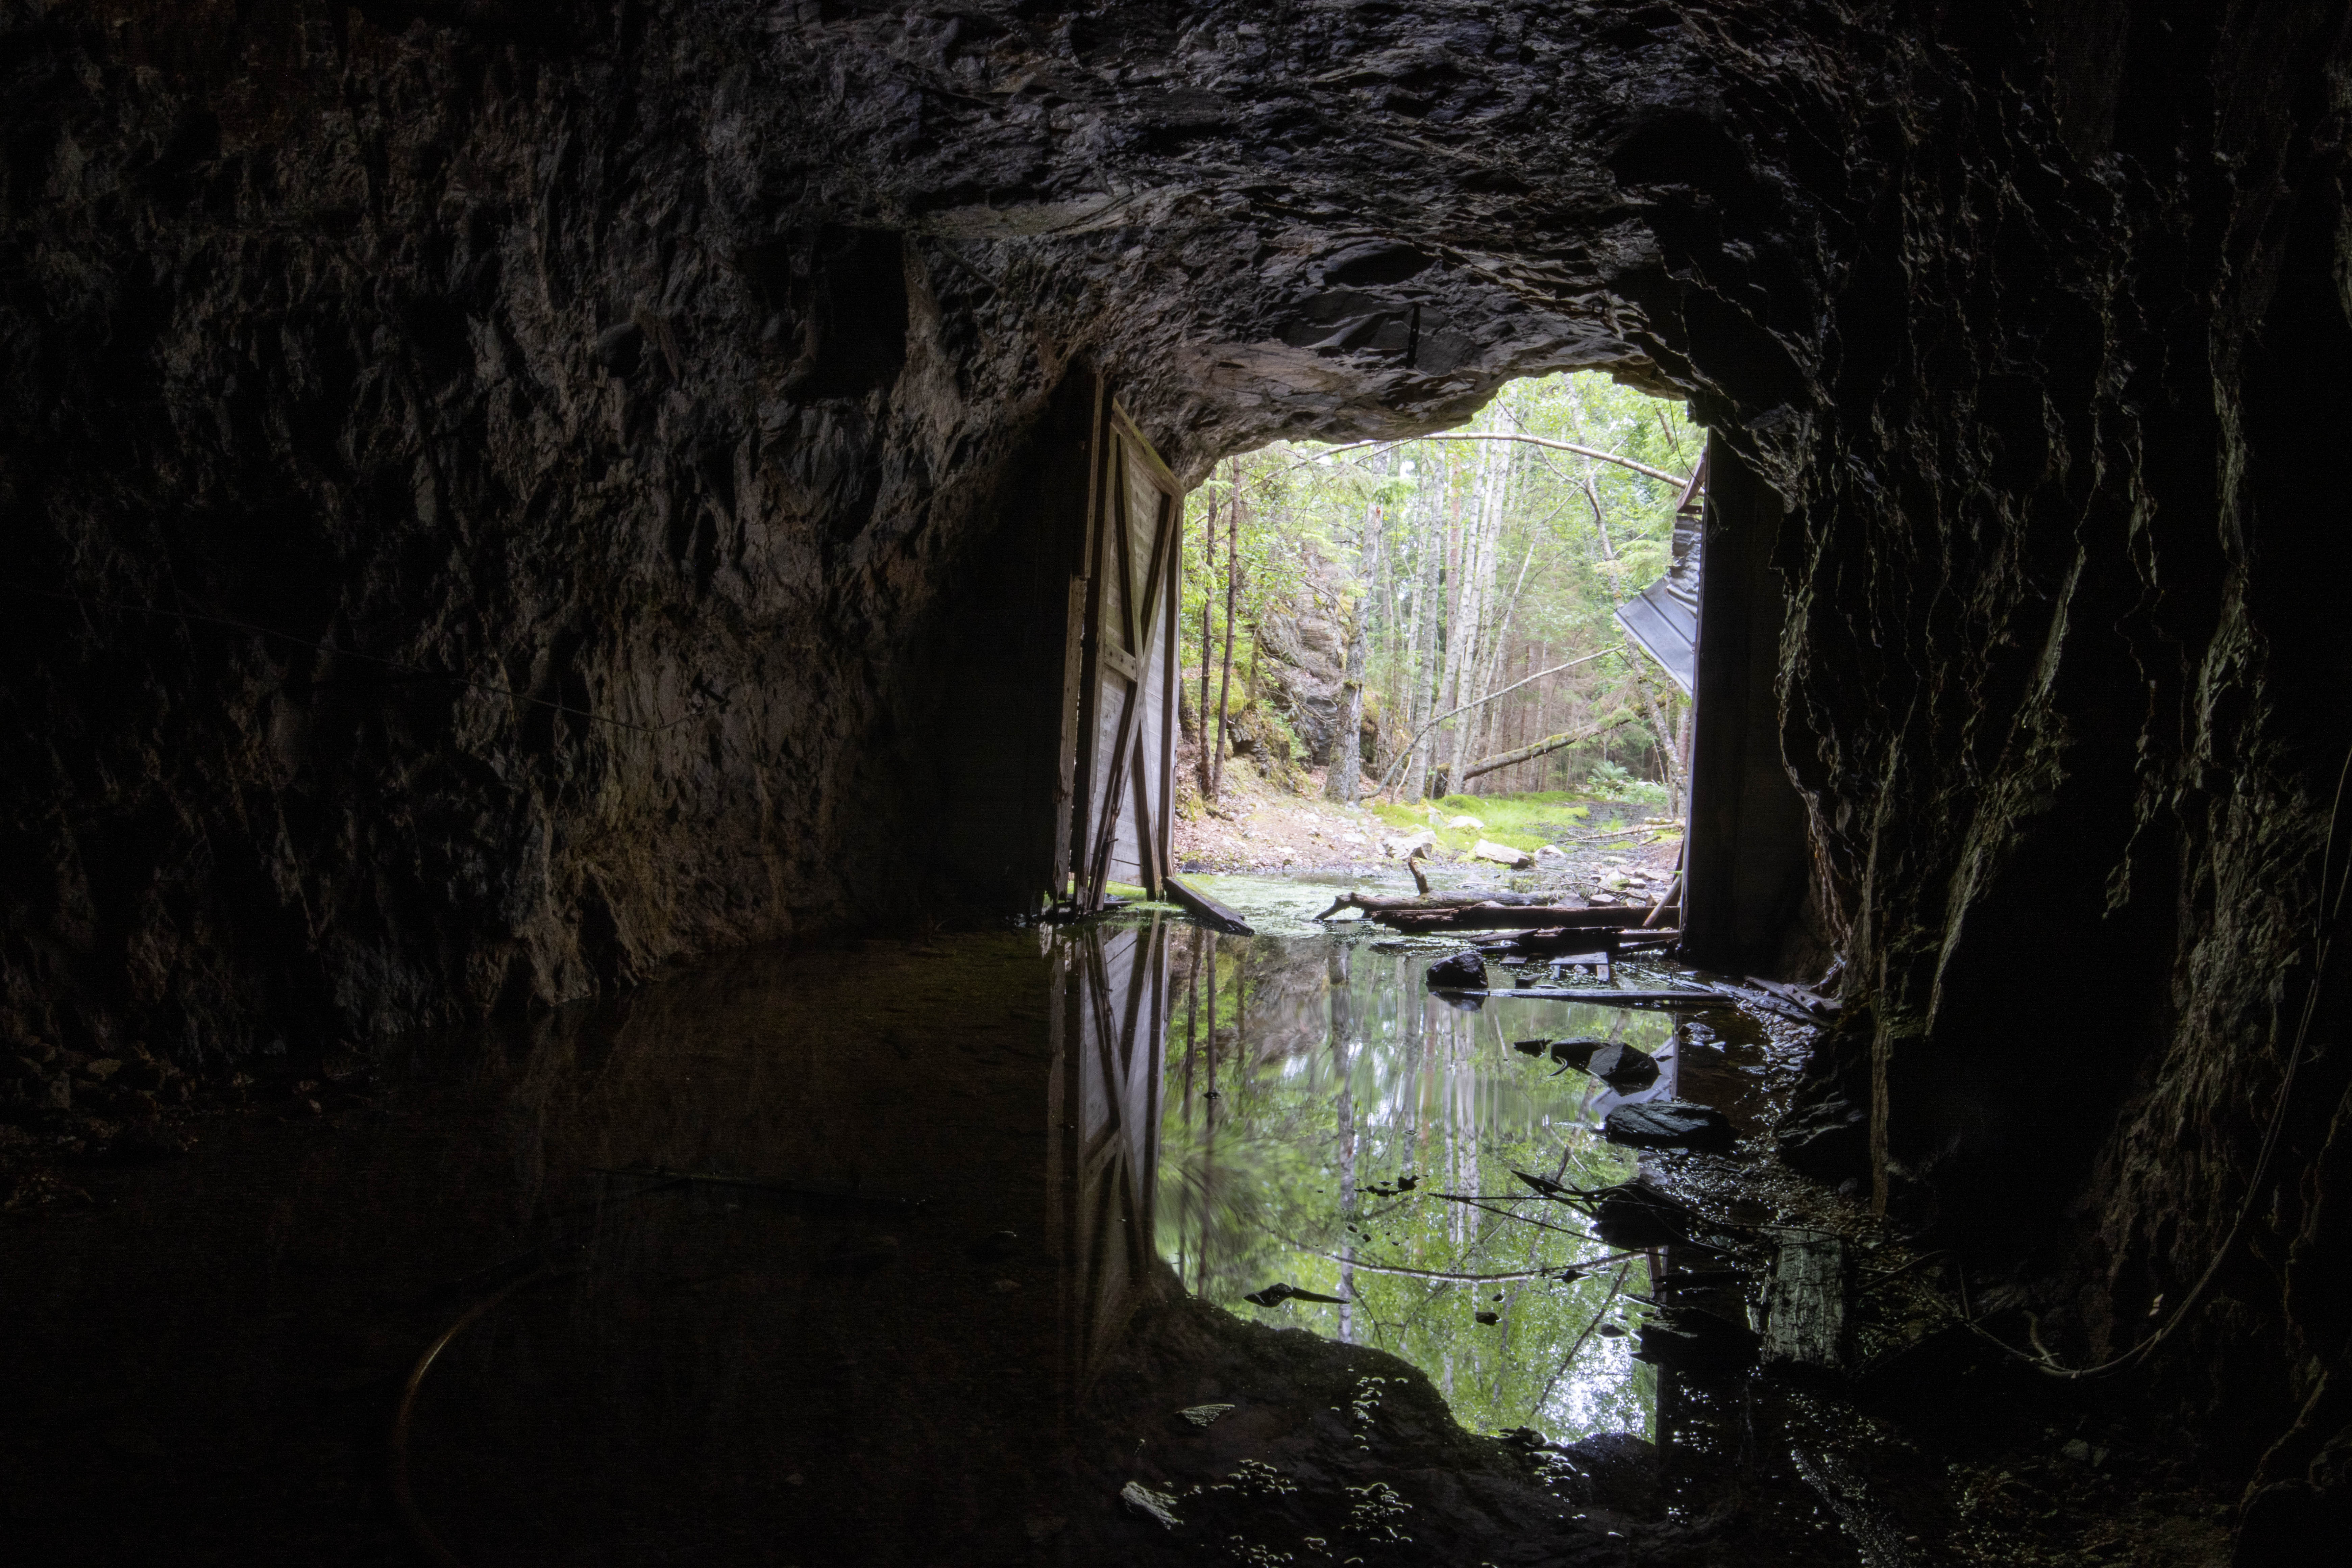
column 1400, row 849
column 1502, row 855
column 1636, row 1214
column 1668, row 1124
column 1463, row 971
column 1575, row 1053
column 1623, row 1067
column 1464, row 821
column 1551, row 856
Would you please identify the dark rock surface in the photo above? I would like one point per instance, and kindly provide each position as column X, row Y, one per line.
column 1463, row 971
column 1831, row 1139
column 502, row 498
column 1305, row 670
column 1623, row 1067
column 1697, row 1339
column 1668, row 1124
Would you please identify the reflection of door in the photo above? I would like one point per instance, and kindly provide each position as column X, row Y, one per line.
column 1118, row 751
column 1108, row 1031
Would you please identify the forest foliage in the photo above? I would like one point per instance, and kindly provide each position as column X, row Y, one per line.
column 1456, row 565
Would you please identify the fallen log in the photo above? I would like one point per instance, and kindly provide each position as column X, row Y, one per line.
column 1602, row 996
column 1540, row 748
column 1501, row 916
column 1381, row 903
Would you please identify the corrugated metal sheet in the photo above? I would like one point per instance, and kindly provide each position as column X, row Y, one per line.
column 1663, row 619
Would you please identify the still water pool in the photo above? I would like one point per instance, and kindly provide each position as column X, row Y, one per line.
column 1327, row 1123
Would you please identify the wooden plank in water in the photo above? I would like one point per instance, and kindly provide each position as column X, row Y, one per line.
column 1210, row 912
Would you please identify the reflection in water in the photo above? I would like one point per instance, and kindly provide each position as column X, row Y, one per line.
column 1330, row 1125
column 1109, row 1021
column 894, row 1315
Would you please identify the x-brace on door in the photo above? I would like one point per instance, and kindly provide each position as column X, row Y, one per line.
column 1120, row 753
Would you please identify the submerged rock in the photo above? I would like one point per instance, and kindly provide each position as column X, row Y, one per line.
column 1577, row 1053
column 1463, row 971
column 1623, row 1067
column 1668, row 1124
column 1636, row 1214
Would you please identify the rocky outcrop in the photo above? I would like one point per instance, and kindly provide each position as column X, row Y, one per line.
column 501, row 497
column 1302, row 675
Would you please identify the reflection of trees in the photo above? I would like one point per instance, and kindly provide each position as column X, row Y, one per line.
column 1335, row 1076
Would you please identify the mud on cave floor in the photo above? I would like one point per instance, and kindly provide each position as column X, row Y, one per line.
column 968, row 1279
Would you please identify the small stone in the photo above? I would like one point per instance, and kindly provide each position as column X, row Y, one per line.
column 2077, row 1451
column 1502, row 855
column 1463, row 971
column 1399, row 848
column 1550, row 854
column 1203, row 1415
column 1005, row 1287
column 1148, row 1503
column 1464, row 822
column 1489, row 1318
column 61, row 1092
column 104, row 1068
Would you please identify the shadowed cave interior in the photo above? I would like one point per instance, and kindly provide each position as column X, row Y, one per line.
column 539, row 544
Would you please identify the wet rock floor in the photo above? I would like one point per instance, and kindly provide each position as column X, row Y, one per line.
column 893, row 1252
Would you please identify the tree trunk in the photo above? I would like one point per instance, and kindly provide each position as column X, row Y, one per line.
column 1670, row 764
column 1424, row 659
column 1462, row 627
column 1498, row 645
column 1208, row 650
column 1341, row 783
column 1479, row 665
column 1233, row 578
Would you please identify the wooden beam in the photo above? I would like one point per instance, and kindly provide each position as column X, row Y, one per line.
column 1208, row 910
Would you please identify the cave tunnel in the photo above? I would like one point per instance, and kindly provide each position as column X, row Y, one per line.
column 539, row 553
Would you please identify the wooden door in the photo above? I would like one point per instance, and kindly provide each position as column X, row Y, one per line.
column 1109, row 1028
column 1119, row 753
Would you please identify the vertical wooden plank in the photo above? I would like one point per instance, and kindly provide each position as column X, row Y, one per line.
column 1170, row 641
column 1128, row 836
column 1085, row 712
column 1065, row 783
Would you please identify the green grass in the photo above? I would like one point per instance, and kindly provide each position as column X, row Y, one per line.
column 1521, row 821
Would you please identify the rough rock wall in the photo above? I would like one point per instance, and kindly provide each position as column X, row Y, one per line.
column 603, row 411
